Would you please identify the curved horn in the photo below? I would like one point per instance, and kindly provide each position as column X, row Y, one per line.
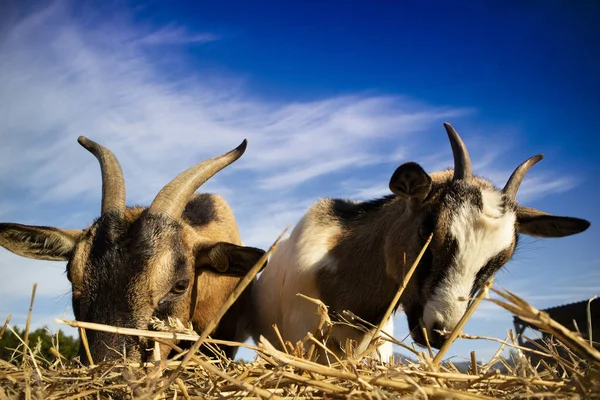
column 113, row 183
column 172, row 199
column 512, row 186
column 462, row 162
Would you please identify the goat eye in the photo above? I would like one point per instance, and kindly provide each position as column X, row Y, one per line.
column 180, row 286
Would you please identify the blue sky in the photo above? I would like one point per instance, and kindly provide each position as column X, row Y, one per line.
column 332, row 97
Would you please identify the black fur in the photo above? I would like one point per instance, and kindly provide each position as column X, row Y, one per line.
column 205, row 202
column 441, row 265
column 459, row 192
column 491, row 268
column 345, row 211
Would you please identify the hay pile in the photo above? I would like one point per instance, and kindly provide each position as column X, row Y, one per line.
column 567, row 366
column 570, row 368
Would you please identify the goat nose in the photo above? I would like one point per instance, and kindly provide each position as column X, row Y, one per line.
column 436, row 340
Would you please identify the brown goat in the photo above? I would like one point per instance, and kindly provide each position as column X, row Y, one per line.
column 181, row 257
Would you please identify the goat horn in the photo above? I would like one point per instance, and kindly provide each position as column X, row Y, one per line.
column 113, row 183
column 512, row 186
column 172, row 199
column 462, row 162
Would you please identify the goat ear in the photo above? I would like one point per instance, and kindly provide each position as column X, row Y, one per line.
column 538, row 223
column 39, row 242
column 410, row 181
column 231, row 259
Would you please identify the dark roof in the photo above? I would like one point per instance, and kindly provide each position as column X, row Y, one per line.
column 578, row 312
column 568, row 306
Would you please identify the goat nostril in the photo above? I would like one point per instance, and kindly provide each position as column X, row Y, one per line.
column 436, row 337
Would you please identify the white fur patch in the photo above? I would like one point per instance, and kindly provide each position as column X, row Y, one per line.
column 480, row 235
column 293, row 269
column 314, row 246
column 386, row 350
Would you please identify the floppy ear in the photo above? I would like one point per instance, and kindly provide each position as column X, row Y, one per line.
column 231, row 259
column 410, row 181
column 39, row 242
column 538, row 223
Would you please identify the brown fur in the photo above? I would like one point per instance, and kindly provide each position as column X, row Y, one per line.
column 212, row 289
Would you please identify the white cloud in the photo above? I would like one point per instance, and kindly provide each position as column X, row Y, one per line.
column 536, row 187
column 173, row 35
column 367, row 191
column 299, row 175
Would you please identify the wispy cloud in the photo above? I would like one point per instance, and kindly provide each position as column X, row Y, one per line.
column 367, row 191
column 536, row 187
column 293, row 177
column 174, row 35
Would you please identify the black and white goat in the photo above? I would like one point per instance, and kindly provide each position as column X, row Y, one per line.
column 351, row 255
